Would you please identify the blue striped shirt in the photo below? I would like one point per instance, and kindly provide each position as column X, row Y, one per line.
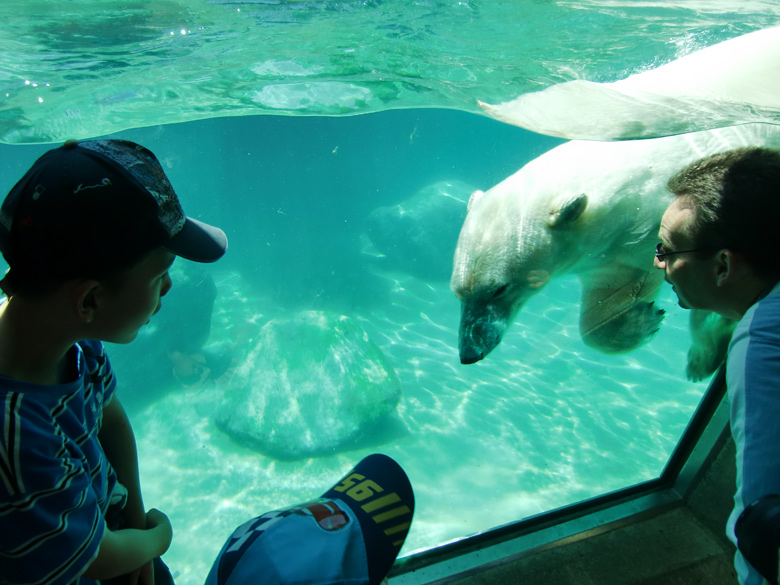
column 753, row 377
column 55, row 482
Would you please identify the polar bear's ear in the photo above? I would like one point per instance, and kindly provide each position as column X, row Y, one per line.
column 476, row 195
column 567, row 212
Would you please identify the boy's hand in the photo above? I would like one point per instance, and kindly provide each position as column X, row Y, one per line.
column 159, row 528
column 159, row 523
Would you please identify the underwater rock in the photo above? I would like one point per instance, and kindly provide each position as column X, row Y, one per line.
column 311, row 385
column 419, row 235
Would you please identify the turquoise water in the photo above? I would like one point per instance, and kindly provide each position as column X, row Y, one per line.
column 544, row 421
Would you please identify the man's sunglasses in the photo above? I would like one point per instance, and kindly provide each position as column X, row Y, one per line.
column 661, row 253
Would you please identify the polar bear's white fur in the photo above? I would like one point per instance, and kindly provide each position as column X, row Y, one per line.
column 592, row 209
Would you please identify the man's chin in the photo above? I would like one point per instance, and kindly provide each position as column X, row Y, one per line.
column 683, row 304
column 680, row 300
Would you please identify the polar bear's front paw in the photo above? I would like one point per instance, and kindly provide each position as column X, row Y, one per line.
column 648, row 319
column 623, row 331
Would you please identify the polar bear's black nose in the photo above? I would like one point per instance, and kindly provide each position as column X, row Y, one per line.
column 470, row 355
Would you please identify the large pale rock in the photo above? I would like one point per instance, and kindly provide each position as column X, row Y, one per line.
column 419, row 235
column 312, row 384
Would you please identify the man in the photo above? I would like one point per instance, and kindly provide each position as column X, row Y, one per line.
column 720, row 251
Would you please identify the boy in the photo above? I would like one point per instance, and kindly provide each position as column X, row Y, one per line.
column 89, row 234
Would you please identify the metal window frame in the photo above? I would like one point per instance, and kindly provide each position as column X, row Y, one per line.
column 702, row 439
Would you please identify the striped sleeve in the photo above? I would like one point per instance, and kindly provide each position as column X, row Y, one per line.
column 9, row 444
column 99, row 368
column 50, row 522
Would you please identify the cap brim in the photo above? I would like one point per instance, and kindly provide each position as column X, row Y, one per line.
column 198, row 241
column 306, row 545
column 380, row 494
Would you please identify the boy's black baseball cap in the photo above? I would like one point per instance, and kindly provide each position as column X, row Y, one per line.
column 87, row 207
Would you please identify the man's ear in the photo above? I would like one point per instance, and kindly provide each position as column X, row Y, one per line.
column 728, row 266
column 86, row 299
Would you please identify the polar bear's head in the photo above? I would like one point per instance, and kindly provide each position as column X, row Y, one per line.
column 509, row 247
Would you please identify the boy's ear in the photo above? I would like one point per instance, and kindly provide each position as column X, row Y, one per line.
column 86, row 299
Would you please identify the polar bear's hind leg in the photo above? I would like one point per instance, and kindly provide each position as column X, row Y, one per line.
column 710, row 337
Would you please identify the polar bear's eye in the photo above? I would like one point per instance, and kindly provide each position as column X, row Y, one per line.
column 500, row 290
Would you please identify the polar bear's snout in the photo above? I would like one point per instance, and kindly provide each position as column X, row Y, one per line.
column 481, row 329
column 470, row 355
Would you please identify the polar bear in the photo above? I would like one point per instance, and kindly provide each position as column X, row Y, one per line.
column 591, row 209
column 731, row 83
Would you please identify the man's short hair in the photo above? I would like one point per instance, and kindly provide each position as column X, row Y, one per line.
column 735, row 197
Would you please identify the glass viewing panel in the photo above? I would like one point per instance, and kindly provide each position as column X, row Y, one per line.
column 329, row 330
column 542, row 422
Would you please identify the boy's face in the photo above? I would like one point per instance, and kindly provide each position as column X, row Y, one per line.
column 128, row 305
